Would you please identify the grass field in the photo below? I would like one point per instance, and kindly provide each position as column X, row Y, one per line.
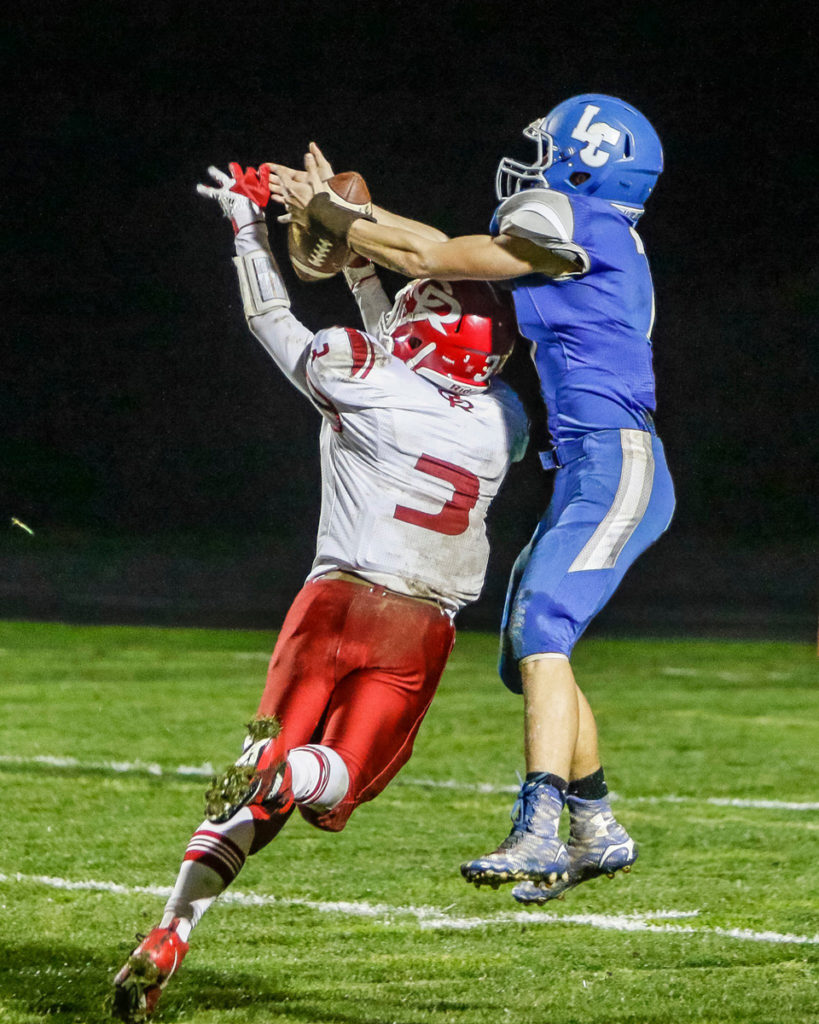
column 107, row 734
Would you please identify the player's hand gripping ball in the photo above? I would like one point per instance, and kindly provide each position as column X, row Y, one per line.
column 314, row 256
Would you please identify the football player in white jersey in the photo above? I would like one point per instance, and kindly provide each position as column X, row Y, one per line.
column 415, row 443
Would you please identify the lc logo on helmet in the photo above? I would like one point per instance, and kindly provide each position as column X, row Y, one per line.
column 594, row 135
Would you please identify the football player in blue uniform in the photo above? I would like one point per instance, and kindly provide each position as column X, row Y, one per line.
column 564, row 238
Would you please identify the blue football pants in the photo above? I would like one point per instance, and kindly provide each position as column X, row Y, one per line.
column 608, row 506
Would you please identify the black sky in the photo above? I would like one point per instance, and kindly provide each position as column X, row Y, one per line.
column 131, row 393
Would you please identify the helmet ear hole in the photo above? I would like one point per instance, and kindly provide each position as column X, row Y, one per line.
column 414, row 343
column 578, row 177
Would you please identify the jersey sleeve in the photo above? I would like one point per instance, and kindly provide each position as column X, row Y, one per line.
column 267, row 306
column 369, row 295
column 286, row 340
column 546, row 218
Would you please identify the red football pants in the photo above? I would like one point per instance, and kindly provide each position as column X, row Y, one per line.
column 355, row 667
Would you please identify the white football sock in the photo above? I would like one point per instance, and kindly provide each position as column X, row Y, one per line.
column 320, row 776
column 216, row 853
column 213, row 858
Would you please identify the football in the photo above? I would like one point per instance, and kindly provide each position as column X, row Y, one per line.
column 314, row 256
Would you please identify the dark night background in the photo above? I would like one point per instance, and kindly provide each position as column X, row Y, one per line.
column 171, row 475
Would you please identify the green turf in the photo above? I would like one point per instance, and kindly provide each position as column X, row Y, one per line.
column 693, row 720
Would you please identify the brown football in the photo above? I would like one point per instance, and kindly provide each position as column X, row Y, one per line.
column 315, row 257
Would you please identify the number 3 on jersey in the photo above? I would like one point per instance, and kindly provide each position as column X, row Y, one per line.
column 453, row 518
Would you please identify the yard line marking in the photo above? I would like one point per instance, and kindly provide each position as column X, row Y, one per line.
column 120, row 767
column 624, row 923
column 206, row 770
column 715, row 801
column 728, row 676
column 721, row 801
column 434, row 918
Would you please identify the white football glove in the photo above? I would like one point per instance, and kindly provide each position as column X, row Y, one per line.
column 239, row 210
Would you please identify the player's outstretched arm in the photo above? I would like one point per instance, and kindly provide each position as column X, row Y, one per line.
column 405, row 246
column 416, row 227
column 368, row 292
column 467, row 257
column 265, row 300
column 316, row 159
column 294, row 189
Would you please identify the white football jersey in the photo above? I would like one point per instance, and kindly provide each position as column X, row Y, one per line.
column 408, row 469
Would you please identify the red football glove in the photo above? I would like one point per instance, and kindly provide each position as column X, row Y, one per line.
column 253, row 184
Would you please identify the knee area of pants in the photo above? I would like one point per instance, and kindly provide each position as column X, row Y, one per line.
column 537, row 619
column 328, row 821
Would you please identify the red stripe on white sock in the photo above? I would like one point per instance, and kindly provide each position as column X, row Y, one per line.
column 217, row 852
column 317, row 791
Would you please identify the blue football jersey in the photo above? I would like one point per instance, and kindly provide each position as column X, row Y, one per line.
column 592, row 327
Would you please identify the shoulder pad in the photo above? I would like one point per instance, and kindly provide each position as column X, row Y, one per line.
column 539, row 212
column 344, row 353
column 546, row 218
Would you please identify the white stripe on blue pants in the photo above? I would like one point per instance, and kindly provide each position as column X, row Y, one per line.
column 607, row 507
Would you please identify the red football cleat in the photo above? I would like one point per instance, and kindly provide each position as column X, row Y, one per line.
column 139, row 984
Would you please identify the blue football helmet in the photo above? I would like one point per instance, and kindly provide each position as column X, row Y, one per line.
column 593, row 145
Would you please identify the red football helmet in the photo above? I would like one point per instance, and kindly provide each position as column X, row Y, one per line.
column 457, row 334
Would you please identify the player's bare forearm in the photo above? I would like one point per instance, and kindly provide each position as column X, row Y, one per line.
column 395, row 220
column 412, row 248
column 392, row 247
column 468, row 257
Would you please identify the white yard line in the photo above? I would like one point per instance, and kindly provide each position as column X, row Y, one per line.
column 624, row 923
column 207, row 770
column 726, row 676
column 715, row 801
column 435, row 918
column 118, row 767
column 721, row 801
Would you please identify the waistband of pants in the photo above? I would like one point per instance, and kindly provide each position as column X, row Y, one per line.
column 350, row 577
column 562, row 454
